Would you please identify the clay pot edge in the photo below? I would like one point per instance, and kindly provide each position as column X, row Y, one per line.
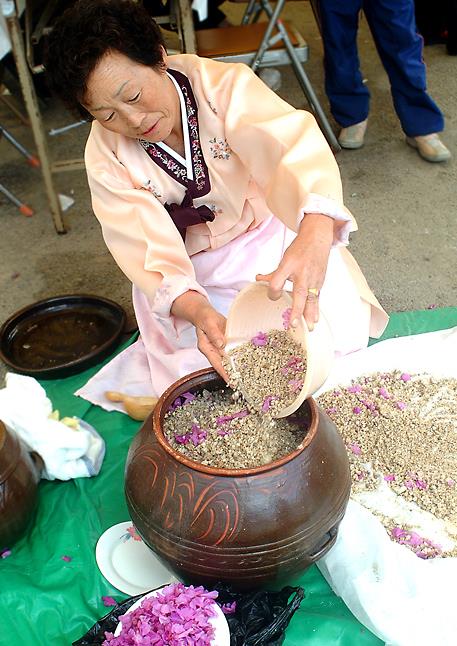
column 181, row 386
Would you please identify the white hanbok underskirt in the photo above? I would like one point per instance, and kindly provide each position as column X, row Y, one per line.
column 167, row 347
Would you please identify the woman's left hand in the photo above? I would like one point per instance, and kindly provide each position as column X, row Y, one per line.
column 305, row 264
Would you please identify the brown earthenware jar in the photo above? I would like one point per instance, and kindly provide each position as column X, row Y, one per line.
column 245, row 527
column 20, row 472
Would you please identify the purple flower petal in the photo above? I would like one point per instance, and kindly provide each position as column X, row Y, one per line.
column 286, row 318
column 267, row 402
column 109, row 601
column 295, row 385
column 356, row 388
column 450, row 482
column 400, row 405
column 356, row 410
column 229, row 608
column 66, row 558
column 355, row 448
column 405, row 377
column 390, row 477
column 260, row 339
column 5, row 553
column 383, row 393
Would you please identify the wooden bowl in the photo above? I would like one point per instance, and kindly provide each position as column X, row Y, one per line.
column 252, row 312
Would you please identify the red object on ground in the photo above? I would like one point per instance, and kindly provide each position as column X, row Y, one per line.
column 26, row 210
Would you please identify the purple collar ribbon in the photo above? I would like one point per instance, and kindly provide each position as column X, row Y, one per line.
column 186, row 214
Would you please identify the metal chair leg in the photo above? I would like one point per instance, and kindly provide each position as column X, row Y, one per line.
column 298, row 69
column 23, row 208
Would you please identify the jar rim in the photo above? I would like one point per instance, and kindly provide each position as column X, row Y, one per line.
column 206, row 377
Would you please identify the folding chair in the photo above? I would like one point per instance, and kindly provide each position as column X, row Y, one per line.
column 265, row 44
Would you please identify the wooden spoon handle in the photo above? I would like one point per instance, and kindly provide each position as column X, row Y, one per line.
column 114, row 396
column 137, row 407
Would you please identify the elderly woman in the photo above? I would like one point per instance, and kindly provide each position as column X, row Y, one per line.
column 203, row 180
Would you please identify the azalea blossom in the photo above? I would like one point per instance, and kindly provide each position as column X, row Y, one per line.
column 295, row 385
column 229, row 608
column 176, row 616
column 109, row 601
column 267, row 402
column 260, row 339
column 355, row 448
column 286, row 318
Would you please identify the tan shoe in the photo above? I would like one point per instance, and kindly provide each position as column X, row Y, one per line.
column 352, row 137
column 430, row 147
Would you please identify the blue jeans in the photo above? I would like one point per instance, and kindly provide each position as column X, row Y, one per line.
column 392, row 24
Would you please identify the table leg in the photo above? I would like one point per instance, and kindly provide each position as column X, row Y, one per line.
column 33, row 111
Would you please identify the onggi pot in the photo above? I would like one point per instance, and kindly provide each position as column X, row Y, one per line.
column 245, row 527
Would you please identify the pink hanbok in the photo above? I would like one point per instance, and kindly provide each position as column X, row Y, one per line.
column 254, row 166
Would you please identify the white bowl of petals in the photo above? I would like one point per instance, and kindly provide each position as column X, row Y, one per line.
column 176, row 615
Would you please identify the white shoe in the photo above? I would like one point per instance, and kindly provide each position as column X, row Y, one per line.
column 430, row 147
column 352, row 136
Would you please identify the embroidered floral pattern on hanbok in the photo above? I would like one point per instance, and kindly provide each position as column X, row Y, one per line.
column 215, row 210
column 152, row 188
column 174, row 167
column 220, row 148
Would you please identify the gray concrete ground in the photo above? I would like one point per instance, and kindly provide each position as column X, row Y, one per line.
column 406, row 208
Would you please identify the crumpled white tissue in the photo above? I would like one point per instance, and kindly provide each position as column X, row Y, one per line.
column 67, row 452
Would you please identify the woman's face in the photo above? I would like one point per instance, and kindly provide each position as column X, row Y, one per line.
column 133, row 99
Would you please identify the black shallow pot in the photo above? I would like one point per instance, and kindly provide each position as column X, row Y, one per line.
column 20, row 473
column 244, row 527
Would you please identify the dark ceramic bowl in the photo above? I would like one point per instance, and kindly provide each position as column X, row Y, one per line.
column 61, row 336
column 245, row 527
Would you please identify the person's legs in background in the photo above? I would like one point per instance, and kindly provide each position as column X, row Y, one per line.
column 348, row 96
column 393, row 25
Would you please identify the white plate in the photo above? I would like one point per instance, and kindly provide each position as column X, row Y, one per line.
column 219, row 622
column 127, row 563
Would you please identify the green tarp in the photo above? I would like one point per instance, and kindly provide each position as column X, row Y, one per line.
column 45, row 601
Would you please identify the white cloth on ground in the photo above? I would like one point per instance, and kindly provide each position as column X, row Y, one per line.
column 67, row 452
column 404, row 600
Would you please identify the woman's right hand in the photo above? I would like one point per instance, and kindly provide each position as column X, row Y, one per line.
column 209, row 324
column 211, row 339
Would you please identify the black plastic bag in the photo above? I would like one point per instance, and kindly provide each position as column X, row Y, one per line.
column 260, row 618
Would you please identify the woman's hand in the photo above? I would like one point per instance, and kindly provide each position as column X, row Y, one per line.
column 304, row 263
column 209, row 324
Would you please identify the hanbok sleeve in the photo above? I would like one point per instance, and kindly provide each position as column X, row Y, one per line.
column 141, row 236
column 286, row 154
